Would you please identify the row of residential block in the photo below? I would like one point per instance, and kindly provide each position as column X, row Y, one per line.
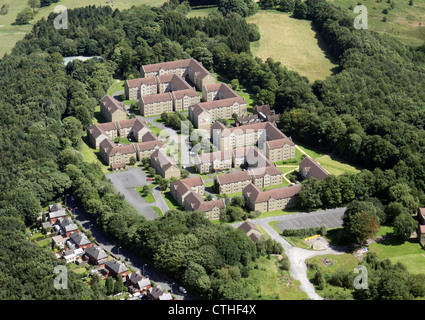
column 164, row 87
column 75, row 246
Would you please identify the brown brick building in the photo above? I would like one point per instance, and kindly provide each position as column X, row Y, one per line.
column 275, row 199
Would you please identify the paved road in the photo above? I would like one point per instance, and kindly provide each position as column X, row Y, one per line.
column 297, row 256
column 125, row 182
column 137, row 264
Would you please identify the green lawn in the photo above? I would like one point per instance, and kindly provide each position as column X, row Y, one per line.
column 336, row 167
column 277, row 213
column 149, row 198
column 266, row 281
column 410, row 253
column 118, row 85
column 313, row 153
column 91, row 155
column 171, row 202
column 201, row 11
column 154, row 129
column 404, row 23
column 345, row 261
column 293, row 42
column 158, row 211
column 122, row 140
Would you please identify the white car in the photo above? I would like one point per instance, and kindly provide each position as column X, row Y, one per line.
column 182, row 290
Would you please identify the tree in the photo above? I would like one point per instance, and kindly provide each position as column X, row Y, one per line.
column 361, row 226
column 34, row 4
column 300, row 9
column 234, row 84
column 133, row 160
column 360, row 221
column 404, row 225
column 24, row 16
column 319, row 279
column 118, row 285
column 145, row 190
column 238, row 201
column 73, row 130
column 287, row 5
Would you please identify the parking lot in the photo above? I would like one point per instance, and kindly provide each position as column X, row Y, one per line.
column 331, row 218
column 126, row 181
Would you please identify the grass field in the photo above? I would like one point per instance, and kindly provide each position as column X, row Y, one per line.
column 336, row 167
column 201, row 11
column 405, row 23
column 10, row 34
column 266, row 281
column 410, row 253
column 292, row 42
column 118, row 85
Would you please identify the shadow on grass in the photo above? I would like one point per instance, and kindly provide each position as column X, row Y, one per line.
column 337, row 237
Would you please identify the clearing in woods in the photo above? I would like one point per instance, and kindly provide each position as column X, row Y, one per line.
column 293, row 42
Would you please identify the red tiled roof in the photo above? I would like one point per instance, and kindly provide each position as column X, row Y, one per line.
column 139, row 81
column 150, row 145
column 233, row 177
column 204, row 106
column 258, row 196
column 195, row 202
column 186, row 92
column 313, row 168
column 261, row 172
column 154, row 98
column 111, row 104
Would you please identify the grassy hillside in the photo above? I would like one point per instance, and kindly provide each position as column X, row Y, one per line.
column 10, row 34
column 404, row 22
column 292, row 42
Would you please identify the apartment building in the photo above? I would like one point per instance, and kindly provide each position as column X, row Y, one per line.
column 194, row 202
column 274, row 143
column 210, row 162
column 232, row 182
column 249, row 157
column 111, row 109
column 151, row 105
column 181, row 188
column 164, row 165
column 261, row 177
column 309, row 168
column 217, row 91
column 204, row 114
column 117, row 154
column 266, row 176
column 135, row 88
column 275, row 199
column 189, row 69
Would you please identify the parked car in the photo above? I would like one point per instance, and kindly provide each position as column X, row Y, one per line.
column 149, row 179
column 182, row 290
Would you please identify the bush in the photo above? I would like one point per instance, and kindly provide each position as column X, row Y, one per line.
column 24, row 16
column 304, row 232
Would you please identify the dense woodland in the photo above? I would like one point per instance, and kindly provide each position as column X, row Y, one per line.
column 370, row 113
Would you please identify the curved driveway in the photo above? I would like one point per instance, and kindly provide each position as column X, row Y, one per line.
column 297, row 256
